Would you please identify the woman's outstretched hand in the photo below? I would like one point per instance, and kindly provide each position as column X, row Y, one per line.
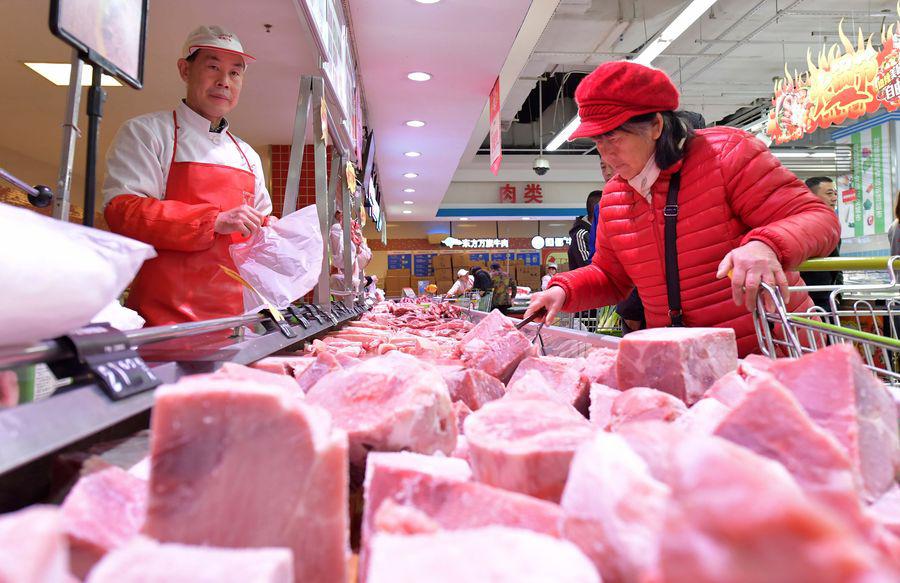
column 551, row 300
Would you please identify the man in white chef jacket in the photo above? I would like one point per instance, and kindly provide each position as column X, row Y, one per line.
column 182, row 182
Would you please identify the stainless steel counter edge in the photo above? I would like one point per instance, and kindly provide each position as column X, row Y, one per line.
column 31, row 431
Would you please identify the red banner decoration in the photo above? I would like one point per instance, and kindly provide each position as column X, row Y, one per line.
column 846, row 82
column 496, row 151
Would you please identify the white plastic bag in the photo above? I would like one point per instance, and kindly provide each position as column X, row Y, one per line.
column 282, row 261
column 56, row 276
column 118, row 316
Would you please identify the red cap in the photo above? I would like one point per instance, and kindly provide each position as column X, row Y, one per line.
column 616, row 92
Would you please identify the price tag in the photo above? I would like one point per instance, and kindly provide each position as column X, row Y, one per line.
column 106, row 353
column 298, row 315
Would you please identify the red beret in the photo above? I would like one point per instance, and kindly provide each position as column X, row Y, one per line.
column 617, row 91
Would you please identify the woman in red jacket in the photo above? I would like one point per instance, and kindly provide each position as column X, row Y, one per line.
column 739, row 212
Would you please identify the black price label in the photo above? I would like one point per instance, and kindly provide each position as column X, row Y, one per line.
column 116, row 366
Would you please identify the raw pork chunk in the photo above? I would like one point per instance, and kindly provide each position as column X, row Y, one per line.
column 461, row 410
column 534, row 385
column 146, row 561
column 643, row 404
column 849, row 402
column 525, row 445
column 599, row 366
column 494, row 346
column 729, row 390
column 772, row 423
column 33, row 547
column 238, row 464
column 324, row 363
column 740, row 518
column 615, row 510
column 9, row 388
column 394, row 402
column 103, row 511
column 493, row 554
column 563, row 374
column 602, row 399
column 683, row 362
column 390, row 473
column 239, row 372
column 703, row 417
column 886, row 510
column 284, row 365
column 472, row 387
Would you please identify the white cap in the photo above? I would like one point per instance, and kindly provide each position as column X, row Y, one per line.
column 215, row 38
column 553, row 265
column 461, row 273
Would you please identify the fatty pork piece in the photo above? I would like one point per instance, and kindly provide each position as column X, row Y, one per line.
column 683, row 362
column 602, row 399
column 534, row 385
column 147, row 561
column 525, row 444
column 33, row 547
column 394, row 402
column 239, row 464
column 104, row 511
column 494, row 554
column 843, row 397
column 614, row 510
column 644, row 404
column 494, row 346
column 323, row 364
column 740, row 518
column 886, row 510
column 239, row 372
column 703, row 416
column 440, row 490
column 563, row 374
column 472, row 387
column 728, row 390
column 599, row 366
column 283, row 365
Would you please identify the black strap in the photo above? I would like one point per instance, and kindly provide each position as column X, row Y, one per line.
column 673, row 284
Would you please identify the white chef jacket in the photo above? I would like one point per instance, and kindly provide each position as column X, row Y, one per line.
column 138, row 160
column 545, row 281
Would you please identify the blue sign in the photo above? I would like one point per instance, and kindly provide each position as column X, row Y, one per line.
column 400, row 261
column 503, row 256
column 422, row 266
column 530, row 258
column 478, row 256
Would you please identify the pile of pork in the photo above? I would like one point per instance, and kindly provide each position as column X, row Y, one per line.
column 665, row 461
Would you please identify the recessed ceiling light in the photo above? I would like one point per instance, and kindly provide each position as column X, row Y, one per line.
column 414, row 123
column 410, row 175
column 58, row 74
column 409, row 190
column 412, row 154
column 408, row 202
column 428, row 1
column 464, row 218
column 526, row 218
column 407, row 212
column 419, row 76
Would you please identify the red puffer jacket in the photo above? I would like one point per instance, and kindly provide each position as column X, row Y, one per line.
column 733, row 190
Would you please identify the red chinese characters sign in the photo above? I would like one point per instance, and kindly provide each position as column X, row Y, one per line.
column 847, row 82
column 533, row 193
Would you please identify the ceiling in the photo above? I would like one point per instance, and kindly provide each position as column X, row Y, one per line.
column 32, row 108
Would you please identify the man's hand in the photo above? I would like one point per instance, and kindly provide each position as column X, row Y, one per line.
column 244, row 219
column 553, row 300
column 748, row 265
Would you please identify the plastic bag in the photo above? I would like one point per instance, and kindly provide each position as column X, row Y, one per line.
column 56, row 276
column 118, row 316
column 281, row 261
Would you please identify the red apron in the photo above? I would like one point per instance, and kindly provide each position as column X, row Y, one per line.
column 179, row 286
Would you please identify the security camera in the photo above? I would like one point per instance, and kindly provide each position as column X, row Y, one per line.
column 540, row 165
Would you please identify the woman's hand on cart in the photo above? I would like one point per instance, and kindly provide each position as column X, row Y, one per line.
column 551, row 300
column 748, row 265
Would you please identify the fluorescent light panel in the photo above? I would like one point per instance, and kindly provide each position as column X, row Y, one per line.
column 59, row 73
column 676, row 28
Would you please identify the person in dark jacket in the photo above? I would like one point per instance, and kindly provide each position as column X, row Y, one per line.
column 482, row 279
column 579, row 249
column 823, row 187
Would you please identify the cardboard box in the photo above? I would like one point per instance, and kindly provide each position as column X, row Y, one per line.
column 407, row 273
column 445, row 274
column 443, row 285
column 394, row 284
column 461, row 261
column 443, row 261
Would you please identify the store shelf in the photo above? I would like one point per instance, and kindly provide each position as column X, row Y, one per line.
column 32, row 431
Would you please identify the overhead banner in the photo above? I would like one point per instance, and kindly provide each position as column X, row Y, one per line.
column 494, row 106
column 847, row 82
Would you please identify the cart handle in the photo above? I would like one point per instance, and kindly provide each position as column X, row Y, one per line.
column 848, row 263
column 858, row 334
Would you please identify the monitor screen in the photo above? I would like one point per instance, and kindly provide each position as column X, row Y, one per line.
column 108, row 33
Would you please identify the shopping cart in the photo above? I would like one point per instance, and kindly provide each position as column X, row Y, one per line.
column 471, row 301
column 868, row 317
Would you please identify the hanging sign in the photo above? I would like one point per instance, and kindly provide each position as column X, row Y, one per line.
column 846, row 82
column 538, row 242
column 496, row 150
column 475, row 243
